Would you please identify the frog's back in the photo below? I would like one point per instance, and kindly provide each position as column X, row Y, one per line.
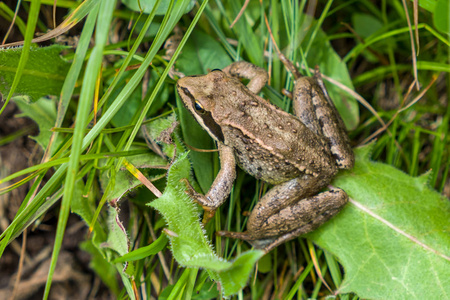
column 271, row 144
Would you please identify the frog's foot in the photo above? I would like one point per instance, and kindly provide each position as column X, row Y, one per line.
column 266, row 228
column 235, row 235
column 248, row 237
column 202, row 200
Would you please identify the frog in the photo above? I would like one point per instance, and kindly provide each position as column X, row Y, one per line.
column 298, row 154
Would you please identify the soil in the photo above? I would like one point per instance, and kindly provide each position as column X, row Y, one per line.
column 31, row 252
column 73, row 278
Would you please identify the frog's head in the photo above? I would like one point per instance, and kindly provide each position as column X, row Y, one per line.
column 204, row 89
column 198, row 94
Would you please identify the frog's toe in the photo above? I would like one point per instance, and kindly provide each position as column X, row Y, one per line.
column 197, row 197
column 263, row 244
column 257, row 243
column 235, row 235
column 208, row 214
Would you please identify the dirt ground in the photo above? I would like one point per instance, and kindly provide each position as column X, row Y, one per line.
column 73, row 278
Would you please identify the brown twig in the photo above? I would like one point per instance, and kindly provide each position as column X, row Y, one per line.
column 12, row 23
column 417, row 98
column 316, row 266
column 413, row 48
column 241, row 12
column 201, row 150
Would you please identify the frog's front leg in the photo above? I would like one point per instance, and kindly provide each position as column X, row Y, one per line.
column 221, row 187
column 270, row 224
column 241, row 69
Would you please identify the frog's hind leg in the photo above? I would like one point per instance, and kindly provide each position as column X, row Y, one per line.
column 313, row 106
column 289, row 210
column 328, row 204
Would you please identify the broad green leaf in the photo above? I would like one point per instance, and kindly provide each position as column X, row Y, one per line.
column 125, row 115
column 147, row 6
column 200, row 54
column 118, row 241
column 365, row 24
column 84, row 206
column 44, row 73
column 43, row 112
column 188, row 242
column 368, row 27
column 265, row 264
column 427, row 4
column 441, row 16
column 393, row 238
column 117, row 236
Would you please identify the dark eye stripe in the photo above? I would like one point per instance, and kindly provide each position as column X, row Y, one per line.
column 213, row 128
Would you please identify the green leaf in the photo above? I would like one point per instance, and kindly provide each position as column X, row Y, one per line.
column 441, row 16
column 393, row 238
column 43, row 112
column 125, row 114
column 117, row 236
column 365, row 24
column 44, row 73
column 118, row 242
column 201, row 54
column 189, row 244
column 429, row 5
column 143, row 252
column 147, row 6
column 265, row 264
column 159, row 128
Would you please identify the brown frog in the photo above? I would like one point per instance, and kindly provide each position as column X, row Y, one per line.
column 298, row 154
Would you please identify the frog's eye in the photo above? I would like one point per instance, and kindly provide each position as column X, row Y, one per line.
column 216, row 70
column 199, row 107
